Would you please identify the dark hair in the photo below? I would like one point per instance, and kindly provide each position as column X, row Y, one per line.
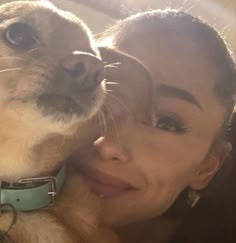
column 195, row 29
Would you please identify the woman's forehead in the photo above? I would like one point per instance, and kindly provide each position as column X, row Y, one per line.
column 182, row 65
column 177, row 62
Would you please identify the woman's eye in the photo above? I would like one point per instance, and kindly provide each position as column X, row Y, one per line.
column 20, row 35
column 170, row 124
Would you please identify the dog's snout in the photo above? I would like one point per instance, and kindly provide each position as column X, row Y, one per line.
column 85, row 69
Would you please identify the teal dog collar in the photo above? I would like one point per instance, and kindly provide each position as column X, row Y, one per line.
column 33, row 193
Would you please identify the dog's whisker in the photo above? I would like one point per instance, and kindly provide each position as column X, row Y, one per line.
column 9, row 57
column 192, row 7
column 33, row 49
column 112, row 83
column 105, row 63
column 181, row 8
column 30, row 52
column 102, row 119
column 112, row 65
column 98, row 116
column 113, row 121
column 32, row 58
column 104, row 122
column 118, row 101
column 10, row 69
column 108, row 90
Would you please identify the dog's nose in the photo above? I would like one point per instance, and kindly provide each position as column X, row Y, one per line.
column 84, row 68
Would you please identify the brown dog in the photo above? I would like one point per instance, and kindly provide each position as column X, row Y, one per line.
column 50, row 83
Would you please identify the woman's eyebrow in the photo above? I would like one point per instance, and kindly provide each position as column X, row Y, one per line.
column 172, row 91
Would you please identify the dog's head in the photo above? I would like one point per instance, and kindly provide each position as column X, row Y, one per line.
column 51, row 80
column 50, row 72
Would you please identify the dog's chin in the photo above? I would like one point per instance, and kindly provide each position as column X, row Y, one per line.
column 59, row 107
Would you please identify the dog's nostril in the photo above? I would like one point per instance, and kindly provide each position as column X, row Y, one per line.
column 76, row 69
column 79, row 69
column 99, row 76
column 83, row 70
column 91, row 82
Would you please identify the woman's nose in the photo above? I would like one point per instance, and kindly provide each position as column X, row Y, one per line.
column 110, row 151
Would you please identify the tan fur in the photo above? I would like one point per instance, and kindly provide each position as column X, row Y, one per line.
column 34, row 145
column 22, row 125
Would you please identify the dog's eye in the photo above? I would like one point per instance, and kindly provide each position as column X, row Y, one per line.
column 20, row 35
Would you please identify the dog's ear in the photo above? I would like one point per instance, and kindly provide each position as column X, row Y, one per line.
column 130, row 81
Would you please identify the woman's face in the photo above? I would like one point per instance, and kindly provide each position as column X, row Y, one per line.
column 139, row 168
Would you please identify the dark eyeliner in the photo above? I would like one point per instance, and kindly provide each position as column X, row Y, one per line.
column 171, row 122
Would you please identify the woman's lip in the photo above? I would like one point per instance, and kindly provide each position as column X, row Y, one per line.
column 104, row 184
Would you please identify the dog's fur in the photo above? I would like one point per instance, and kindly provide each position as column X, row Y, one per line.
column 27, row 75
column 37, row 134
column 34, row 141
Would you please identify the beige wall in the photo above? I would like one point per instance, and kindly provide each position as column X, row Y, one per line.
column 97, row 21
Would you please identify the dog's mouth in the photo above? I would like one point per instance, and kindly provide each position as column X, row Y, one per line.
column 55, row 104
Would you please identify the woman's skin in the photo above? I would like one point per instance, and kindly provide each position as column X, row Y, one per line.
column 146, row 166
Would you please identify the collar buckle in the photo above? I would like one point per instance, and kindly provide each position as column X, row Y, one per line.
column 33, row 193
column 46, row 179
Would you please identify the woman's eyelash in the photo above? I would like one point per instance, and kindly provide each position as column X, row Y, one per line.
column 171, row 123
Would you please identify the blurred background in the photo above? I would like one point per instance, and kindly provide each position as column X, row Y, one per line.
column 99, row 14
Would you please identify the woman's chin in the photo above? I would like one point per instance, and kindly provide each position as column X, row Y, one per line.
column 120, row 211
column 116, row 219
column 132, row 207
